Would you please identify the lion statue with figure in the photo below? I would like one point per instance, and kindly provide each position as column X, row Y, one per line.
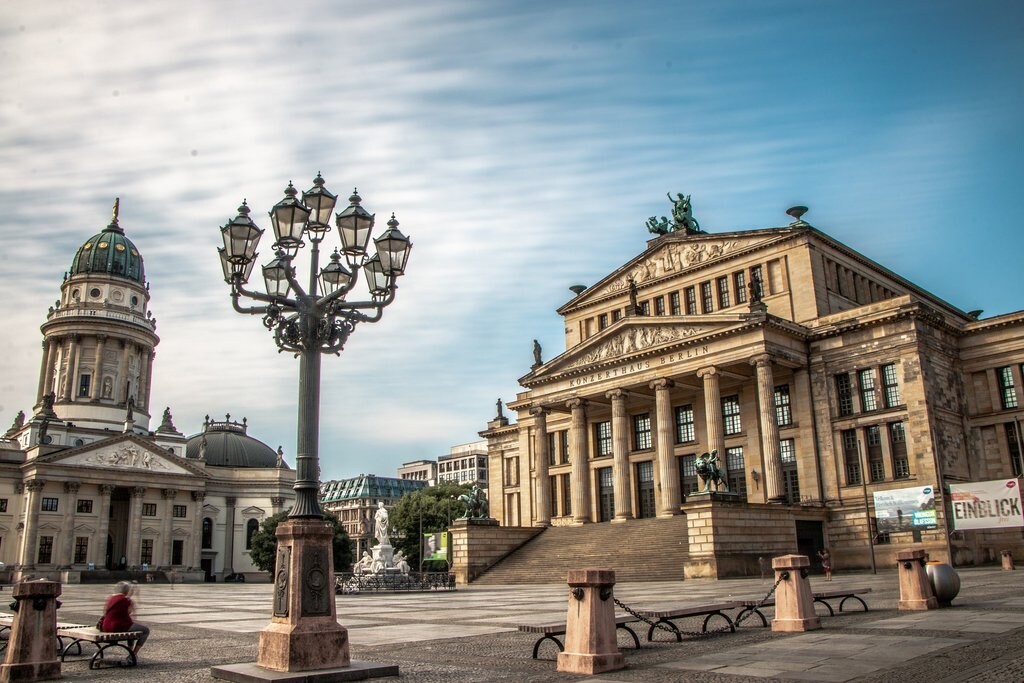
column 708, row 470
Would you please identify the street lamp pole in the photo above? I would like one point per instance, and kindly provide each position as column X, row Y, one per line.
column 308, row 321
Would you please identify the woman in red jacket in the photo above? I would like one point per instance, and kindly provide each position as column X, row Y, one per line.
column 117, row 615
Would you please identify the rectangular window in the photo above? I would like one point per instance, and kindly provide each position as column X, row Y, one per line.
column 83, row 385
column 641, row 432
column 737, row 471
column 146, row 556
column 673, row 303
column 1014, row 448
column 552, row 449
column 790, row 478
column 81, row 549
column 787, row 452
column 898, row 446
column 659, row 306
column 691, row 301
column 876, row 467
column 688, row 483
column 45, row 549
column 553, row 484
column 844, row 394
column 49, row 505
column 891, row 386
column 731, row 415
column 1007, row 391
column 723, row 292
column 868, row 399
column 603, row 438
column 684, row 424
column 564, row 448
column 783, row 408
column 645, row 489
column 606, row 494
column 84, row 506
column 740, row 280
column 602, row 321
column 616, row 315
column 566, row 494
column 851, row 457
column 645, row 307
column 707, row 301
column 179, row 511
column 3, row 505
column 149, row 509
column 177, row 551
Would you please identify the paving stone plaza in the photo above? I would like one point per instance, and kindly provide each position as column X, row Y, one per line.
column 470, row 635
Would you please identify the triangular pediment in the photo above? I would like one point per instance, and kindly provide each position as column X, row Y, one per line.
column 636, row 336
column 253, row 511
column 672, row 256
column 125, row 454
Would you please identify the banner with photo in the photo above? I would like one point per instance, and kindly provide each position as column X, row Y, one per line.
column 435, row 546
column 986, row 505
column 906, row 509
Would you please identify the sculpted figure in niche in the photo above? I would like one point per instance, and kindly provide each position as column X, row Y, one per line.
column 108, row 387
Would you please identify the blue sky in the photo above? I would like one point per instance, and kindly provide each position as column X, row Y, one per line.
column 522, row 146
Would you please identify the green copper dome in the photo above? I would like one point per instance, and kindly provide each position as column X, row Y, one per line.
column 110, row 253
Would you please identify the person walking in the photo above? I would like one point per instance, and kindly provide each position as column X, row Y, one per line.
column 826, row 563
column 117, row 616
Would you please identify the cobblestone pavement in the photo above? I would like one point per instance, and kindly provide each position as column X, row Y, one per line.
column 469, row 636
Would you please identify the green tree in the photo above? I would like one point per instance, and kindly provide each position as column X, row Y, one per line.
column 430, row 509
column 263, row 548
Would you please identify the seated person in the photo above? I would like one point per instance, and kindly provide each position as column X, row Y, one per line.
column 117, row 616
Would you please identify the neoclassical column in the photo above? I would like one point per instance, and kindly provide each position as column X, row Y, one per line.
column 71, row 371
column 197, row 528
column 98, row 550
column 713, row 414
column 134, row 552
column 580, row 462
column 46, row 372
column 620, row 456
column 229, row 536
column 95, row 391
column 120, row 393
column 542, row 480
column 65, row 558
column 276, row 504
column 669, row 497
column 167, row 530
column 30, row 537
column 148, row 380
column 769, row 428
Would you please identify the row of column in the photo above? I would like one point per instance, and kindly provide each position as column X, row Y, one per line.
column 670, row 496
column 51, row 350
column 97, row 547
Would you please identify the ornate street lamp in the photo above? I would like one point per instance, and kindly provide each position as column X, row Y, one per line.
column 309, row 321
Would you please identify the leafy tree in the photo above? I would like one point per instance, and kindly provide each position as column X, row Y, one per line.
column 263, row 548
column 430, row 509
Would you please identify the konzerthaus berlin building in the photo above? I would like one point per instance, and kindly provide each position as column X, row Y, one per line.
column 818, row 376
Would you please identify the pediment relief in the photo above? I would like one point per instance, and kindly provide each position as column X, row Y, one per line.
column 150, row 530
column 253, row 511
column 180, row 533
column 124, row 455
column 633, row 339
column 210, row 509
column 50, row 526
column 84, row 528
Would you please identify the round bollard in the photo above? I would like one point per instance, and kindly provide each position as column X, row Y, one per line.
column 945, row 582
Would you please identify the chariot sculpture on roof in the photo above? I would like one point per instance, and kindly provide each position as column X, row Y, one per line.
column 682, row 218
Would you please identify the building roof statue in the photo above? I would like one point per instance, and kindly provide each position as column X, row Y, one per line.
column 682, row 218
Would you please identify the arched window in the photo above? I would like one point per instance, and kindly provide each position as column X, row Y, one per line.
column 251, row 527
column 207, row 533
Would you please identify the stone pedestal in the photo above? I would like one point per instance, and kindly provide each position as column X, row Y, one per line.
column 384, row 553
column 794, row 602
column 1007, row 558
column 591, row 645
column 32, row 649
column 304, row 641
column 915, row 589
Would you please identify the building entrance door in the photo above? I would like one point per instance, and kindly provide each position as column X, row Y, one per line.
column 606, row 494
column 810, row 538
column 645, row 489
column 120, row 504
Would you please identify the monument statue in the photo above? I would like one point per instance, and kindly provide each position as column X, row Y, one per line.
column 130, row 414
column 380, row 524
column 708, row 470
column 476, row 504
column 756, row 290
column 499, row 415
column 536, row 354
column 682, row 218
column 19, row 422
column 634, row 306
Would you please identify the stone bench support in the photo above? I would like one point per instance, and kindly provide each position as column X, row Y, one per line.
column 916, row 591
column 591, row 645
column 794, row 602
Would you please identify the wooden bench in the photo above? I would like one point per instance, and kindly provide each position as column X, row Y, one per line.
column 667, row 616
column 842, row 595
column 103, row 642
column 552, row 630
column 7, row 621
column 753, row 607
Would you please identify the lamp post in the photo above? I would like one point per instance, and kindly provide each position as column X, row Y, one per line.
column 308, row 321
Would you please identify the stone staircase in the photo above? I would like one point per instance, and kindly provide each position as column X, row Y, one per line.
column 638, row 550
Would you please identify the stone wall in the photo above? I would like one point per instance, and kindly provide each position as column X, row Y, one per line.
column 477, row 544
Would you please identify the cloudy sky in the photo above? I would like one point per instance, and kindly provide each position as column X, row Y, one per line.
column 522, row 146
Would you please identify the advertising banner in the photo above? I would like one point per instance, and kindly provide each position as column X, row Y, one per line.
column 435, row 546
column 905, row 509
column 986, row 505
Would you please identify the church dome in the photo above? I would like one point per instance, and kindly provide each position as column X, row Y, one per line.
column 228, row 445
column 110, row 253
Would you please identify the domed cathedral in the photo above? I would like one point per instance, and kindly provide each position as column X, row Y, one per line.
column 750, row 393
column 87, row 490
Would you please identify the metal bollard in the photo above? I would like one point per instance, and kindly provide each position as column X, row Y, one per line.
column 1007, row 560
column 591, row 645
column 794, row 602
column 916, row 591
column 32, row 648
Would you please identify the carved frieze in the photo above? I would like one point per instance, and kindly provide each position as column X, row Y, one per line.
column 125, row 456
column 633, row 340
column 674, row 257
